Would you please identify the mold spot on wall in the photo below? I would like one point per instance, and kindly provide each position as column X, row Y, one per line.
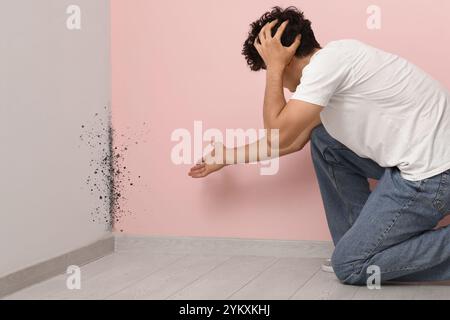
column 110, row 177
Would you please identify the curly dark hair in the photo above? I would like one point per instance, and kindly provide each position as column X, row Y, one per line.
column 297, row 25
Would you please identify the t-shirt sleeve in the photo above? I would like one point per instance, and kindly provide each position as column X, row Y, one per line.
column 322, row 77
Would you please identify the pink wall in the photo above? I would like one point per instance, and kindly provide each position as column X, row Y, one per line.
column 178, row 61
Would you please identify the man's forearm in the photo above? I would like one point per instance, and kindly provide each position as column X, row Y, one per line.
column 253, row 152
column 274, row 100
column 250, row 153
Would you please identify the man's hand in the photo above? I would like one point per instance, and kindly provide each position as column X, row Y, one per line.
column 271, row 50
column 202, row 169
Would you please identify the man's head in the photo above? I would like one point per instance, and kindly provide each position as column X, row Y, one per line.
column 297, row 25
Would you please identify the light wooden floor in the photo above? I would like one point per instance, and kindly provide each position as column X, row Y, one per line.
column 138, row 274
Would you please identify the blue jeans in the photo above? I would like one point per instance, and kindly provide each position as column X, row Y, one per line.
column 392, row 227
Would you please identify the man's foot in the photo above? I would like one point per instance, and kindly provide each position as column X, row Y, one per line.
column 327, row 267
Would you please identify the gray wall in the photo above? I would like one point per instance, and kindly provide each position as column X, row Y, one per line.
column 52, row 80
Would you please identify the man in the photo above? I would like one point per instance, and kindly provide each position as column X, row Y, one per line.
column 368, row 114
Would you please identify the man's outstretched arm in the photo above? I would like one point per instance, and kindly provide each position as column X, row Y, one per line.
column 203, row 169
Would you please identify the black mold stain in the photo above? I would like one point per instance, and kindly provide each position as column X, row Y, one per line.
column 109, row 174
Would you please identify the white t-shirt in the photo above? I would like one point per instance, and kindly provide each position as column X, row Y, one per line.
column 381, row 107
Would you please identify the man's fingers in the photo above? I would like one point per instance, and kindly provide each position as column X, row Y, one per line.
column 199, row 166
column 294, row 46
column 258, row 47
column 281, row 29
column 201, row 174
column 261, row 38
column 198, row 173
column 256, row 42
column 197, row 170
column 268, row 29
column 261, row 34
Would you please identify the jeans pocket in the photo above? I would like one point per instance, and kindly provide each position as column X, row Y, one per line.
column 441, row 200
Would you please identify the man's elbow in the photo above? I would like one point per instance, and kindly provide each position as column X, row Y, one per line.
column 278, row 138
column 276, row 142
column 285, row 141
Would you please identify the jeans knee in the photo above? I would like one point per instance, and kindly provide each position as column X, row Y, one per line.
column 342, row 269
column 347, row 269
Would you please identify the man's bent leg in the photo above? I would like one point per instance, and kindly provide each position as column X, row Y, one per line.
column 343, row 180
column 395, row 232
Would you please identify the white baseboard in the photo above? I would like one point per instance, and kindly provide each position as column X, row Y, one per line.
column 45, row 270
column 277, row 248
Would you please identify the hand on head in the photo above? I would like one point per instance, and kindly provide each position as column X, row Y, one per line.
column 271, row 50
